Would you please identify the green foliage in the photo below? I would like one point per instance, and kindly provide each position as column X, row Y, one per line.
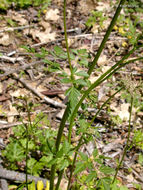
column 134, row 6
column 127, row 27
column 140, row 159
column 138, row 138
column 99, row 176
column 97, row 17
column 37, row 146
column 5, row 4
column 34, row 149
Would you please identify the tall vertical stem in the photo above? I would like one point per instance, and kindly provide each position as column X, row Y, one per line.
column 109, row 30
column 127, row 143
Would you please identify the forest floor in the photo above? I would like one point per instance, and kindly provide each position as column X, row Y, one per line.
column 26, row 33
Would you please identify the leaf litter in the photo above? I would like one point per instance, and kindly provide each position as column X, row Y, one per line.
column 47, row 31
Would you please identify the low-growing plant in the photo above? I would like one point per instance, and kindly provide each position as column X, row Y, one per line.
column 5, row 4
column 96, row 17
column 43, row 149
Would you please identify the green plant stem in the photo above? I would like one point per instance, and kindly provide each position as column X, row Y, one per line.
column 79, row 144
column 109, row 30
column 74, row 160
column 104, row 105
column 127, row 143
column 27, row 140
column 59, row 179
column 58, row 141
column 52, row 176
column 63, row 121
column 101, row 79
column 26, row 152
column 66, row 40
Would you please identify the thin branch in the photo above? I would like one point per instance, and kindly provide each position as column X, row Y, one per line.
column 11, row 29
column 41, row 96
column 23, row 67
column 17, row 176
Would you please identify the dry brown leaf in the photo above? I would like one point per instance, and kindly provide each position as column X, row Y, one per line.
column 122, row 111
column 5, row 39
column 102, row 60
column 105, row 68
column 95, row 28
column 10, row 115
column 1, row 87
column 19, row 18
column 52, row 14
column 19, row 92
column 102, row 6
column 64, row 184
column 45, row 25
column 43, row 36
column 4, row 98
column 85, row 6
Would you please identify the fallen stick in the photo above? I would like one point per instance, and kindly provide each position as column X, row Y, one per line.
column 41, row 96
column 11, row 29
column 17, row 176
column 6, row 126
column 11, row 59
column 4, row 185
column 26, row 66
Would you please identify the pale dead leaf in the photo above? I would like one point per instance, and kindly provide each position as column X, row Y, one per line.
column 64, row 184
column 45, row 25
column 106, row 23
column 95, row 28
column 43, row 36
column 85, row 6
column 130, row 178
column 19, row 92
column 124, row 113
column 52, row 14
column 1, row 87
column 105, row 68
column 102, row 92
column 5, row 39
column 93, row 78
column 102, row 60
column 19, row 18
column 46, row 36
column 71, row 41
column 60, row 114
column 10, row 115
column 102, row 6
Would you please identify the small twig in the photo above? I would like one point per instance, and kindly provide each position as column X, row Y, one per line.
column 24, row 67
column 11, row 59
column 4, row 184
column 8, row 125
column 16, row 176
column 11, row 29
column 41, row 96
column 135, row 173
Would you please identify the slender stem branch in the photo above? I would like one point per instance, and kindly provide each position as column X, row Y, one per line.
column 101, row 79
column 52, row 176
column 74, row 160
column 58, row 140
column 79, row 144
column 26, row 152
column 59, row 179
column 27, row 139
column 127, row 143
column 66, row 40
column 104, row 105
column 106, row 36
